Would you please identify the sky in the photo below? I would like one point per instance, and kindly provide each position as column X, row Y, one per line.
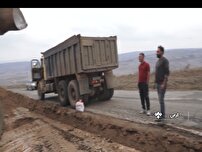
column 137, row 29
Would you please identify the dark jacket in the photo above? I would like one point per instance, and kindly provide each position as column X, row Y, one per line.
column 162, row 69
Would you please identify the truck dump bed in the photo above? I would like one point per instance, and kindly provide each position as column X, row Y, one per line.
column 80, row 54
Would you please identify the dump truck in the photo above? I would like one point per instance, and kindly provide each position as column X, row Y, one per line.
column 81, row 67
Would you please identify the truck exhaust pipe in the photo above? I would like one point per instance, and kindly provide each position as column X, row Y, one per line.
column 11, row 19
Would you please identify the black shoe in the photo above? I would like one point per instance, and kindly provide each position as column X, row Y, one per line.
column 157, row 120
column 160, row 119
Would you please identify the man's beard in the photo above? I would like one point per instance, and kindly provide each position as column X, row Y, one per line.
column 158, row 55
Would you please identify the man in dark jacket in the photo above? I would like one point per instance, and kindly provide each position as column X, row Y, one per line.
column 161, row 77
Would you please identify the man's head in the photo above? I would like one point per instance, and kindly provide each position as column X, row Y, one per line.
column 141, row 57
column 160, row 51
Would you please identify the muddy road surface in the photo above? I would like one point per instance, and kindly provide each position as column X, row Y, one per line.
column 27, row 129
column 34, row 125
column 126, row 105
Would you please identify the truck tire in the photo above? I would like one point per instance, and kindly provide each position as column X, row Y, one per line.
column 106, row 95
column 40, row 94
column 85, row 99
column 73, row 92
column 62, row 93
column 110, row 93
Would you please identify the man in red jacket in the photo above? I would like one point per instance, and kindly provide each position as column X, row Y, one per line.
column 143, row 81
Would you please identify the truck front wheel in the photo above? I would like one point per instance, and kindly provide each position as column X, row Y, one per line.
column 41, row 95
column 62, row 93
column 73, row 92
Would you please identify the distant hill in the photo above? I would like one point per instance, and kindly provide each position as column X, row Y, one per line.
column 14, row 73
column 180, row 59
column 190, row 79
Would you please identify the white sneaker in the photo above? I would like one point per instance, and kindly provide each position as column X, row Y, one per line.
column 148, row 113
column 143, row 111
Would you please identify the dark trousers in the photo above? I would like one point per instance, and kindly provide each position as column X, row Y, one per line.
column 161, row 94
column 144, row 95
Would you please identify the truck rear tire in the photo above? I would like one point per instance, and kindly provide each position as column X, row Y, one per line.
column 73, row 92
column 110, row 93
column 106, row 95
column 62, row 93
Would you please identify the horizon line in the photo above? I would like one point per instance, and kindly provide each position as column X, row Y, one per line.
column 28, row 60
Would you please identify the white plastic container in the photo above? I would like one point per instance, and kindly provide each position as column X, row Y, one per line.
column 80, row 106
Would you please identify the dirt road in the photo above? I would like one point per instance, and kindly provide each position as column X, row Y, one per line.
column 33, row 125
column 126, row 105
column 28, row 131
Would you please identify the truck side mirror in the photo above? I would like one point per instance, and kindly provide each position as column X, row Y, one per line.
column 36, row 70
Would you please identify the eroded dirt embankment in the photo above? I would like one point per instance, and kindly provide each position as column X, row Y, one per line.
column 139, row 136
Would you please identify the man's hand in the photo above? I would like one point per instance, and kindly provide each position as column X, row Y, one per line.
column 163, row 86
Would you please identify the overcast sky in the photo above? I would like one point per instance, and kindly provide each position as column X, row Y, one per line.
column 137, row 29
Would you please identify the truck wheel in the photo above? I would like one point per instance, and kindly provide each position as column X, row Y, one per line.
column 110, row 93
column 101, row 97
column 85, row 99
column 41, row 95
column 106, row 95
column 73, row 92
column 62, row 93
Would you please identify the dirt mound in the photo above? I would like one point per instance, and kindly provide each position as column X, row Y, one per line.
column 140, row 136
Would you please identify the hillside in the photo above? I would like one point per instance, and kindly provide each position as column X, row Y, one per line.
column 190, row 79
column 179, row 60
column 14, row 73
column 17, row 73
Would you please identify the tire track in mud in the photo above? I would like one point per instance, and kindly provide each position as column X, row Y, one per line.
column 140, row 136
column 39, row 133
column 31, row 134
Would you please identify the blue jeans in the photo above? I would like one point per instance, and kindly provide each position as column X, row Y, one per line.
column 161, row 94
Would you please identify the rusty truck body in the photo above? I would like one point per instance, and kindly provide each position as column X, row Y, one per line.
column 78, row 68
